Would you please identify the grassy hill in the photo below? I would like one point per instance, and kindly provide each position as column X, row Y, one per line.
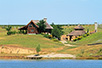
column 30, row 41
column 80, row 49
column 91, row 39
column 67, row 29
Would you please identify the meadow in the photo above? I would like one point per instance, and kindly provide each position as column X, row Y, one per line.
column 80, row 48
column 24, row 40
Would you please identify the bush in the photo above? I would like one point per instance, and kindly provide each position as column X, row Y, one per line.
column 13, row 32
column 84, row 35
column 50, row 36
column 22, row 32
column 79, row 37
column 9, row 33
column 46, row 35
column 87, row 30
column 55, row 40
column 42, row 33
column 87, row 34
column 82, row 51
column 74, row 39
column 38, row 49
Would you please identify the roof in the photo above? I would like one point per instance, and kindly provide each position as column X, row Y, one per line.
column 35, row 22
column 77, row 33
column 47, row 25
column 79, row 27
column 24, row 28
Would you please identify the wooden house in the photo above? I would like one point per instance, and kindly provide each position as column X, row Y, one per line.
column 33, row 28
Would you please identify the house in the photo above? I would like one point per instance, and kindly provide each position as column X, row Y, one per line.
column 33, row 28
column 78, row 31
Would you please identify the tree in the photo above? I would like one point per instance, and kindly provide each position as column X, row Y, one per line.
column 38, row 49
column 42, row 26
column 87, row 30
column 8, row 28
column 56, row 32
column 52, row 24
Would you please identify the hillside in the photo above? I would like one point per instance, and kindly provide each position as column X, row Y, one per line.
column 30, row 41
column 91, row 39
column 80, row 48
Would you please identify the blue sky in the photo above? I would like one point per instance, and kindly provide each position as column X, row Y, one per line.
column 57, row 11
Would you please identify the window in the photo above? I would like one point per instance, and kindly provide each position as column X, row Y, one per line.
column 30, row 25
column 32, row 30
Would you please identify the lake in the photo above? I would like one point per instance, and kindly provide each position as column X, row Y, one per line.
column 50, row 63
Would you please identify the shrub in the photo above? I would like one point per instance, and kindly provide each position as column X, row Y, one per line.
column 22, row 32
column 46, row 35
column 9, row 33
column 55, row 40
column 38, row 49
column 100, row 50
column 84, row 35
column 50, row 36
column 42, row 33
column 8, row 28
column 82, row 51
column 74, row 39
column 79, row 38
column 79, row 55
column 87, row 34
column 13, row 32
column 87, row 30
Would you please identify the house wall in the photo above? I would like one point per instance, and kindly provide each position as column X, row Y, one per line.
column 63, row 37
column 32, row 29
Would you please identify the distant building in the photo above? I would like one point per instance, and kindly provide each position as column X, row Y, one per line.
column 78, row 31
column 33, row 28
column 96, row 25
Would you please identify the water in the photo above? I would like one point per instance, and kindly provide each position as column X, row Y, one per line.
column 50, row 63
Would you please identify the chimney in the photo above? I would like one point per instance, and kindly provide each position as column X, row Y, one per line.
column 96, row 25
column 78, row 24
column 45, row 19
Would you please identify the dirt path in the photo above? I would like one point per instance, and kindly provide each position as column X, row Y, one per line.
column 65, row 43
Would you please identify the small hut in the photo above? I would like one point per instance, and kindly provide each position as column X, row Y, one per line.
column 78, row 31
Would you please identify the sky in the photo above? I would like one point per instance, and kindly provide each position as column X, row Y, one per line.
column 21, row 12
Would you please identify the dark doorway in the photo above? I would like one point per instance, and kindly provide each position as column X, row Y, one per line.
column 66, row 38
column 70, row 38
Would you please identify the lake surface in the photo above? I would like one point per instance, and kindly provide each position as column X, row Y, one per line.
column 50, row 63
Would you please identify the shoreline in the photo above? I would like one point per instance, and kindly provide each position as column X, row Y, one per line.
column 53, row 58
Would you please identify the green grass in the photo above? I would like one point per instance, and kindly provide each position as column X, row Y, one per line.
column 30, row 41
column 93, row 38
column 67, row 29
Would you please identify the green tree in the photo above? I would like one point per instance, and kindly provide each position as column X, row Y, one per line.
column 8, row 28
column 42, row 26
column 56, row 32
column 87, row 30
column 38, row 49
column 52, row 24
